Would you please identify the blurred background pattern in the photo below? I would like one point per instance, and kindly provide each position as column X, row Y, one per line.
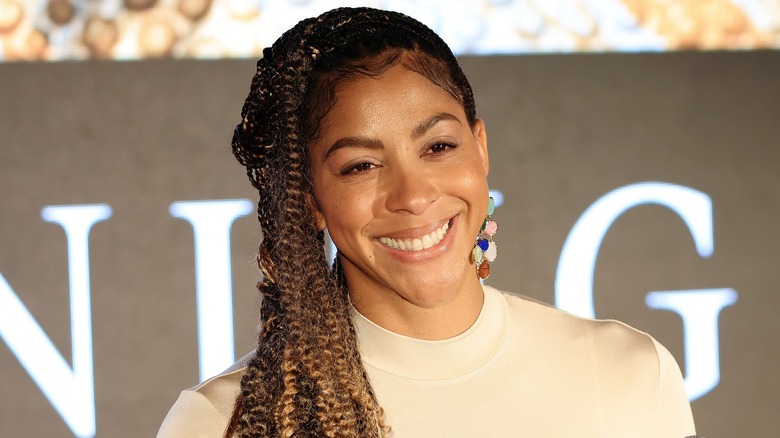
column 54, row 30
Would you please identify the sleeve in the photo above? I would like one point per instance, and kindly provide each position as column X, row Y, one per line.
column 673, row 411
column 193, row 416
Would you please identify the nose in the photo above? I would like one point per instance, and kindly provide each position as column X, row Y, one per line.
column 410, row 190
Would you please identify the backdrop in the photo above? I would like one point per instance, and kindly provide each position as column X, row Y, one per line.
column 131, row 139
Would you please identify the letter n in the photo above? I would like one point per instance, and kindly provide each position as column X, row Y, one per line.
column 70, row 390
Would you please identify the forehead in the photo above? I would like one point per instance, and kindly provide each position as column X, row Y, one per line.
column 397, row 93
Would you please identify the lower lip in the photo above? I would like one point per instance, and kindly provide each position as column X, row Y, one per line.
column 424, row 254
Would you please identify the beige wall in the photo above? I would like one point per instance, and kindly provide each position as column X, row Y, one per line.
column 563, row 131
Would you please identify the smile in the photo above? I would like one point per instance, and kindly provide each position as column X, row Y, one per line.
column 417, row 243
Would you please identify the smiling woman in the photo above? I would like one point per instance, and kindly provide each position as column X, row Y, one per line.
column 382, row 170
column 361, row 122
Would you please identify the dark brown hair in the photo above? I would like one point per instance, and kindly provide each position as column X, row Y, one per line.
column 306, row 378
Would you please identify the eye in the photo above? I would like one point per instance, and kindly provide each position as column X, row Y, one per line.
column 441, row 147
column 358, row 168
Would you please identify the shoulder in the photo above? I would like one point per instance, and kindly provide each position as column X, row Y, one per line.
column 205, row 409
column 529, row 314
column 618, row 358
column 608, row 346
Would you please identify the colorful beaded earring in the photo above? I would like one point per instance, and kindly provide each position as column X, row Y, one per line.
column 485, row 250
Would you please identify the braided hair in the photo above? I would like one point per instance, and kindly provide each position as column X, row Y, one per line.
column 306, row 378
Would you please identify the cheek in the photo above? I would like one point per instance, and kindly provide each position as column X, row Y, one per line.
column 346, row 211
column 472, row 183
column 472, row 180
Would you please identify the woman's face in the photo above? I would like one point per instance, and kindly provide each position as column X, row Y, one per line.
column 400, row 179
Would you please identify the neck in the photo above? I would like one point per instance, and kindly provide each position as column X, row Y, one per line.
column 399, row 313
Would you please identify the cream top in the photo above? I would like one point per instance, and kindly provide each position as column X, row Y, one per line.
column 522, row 369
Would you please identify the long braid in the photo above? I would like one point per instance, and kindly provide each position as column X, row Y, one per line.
column 307, row 378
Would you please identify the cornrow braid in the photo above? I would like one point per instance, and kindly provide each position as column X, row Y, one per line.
column 306, row 378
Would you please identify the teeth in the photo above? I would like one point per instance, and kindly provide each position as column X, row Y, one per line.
column 417, row 244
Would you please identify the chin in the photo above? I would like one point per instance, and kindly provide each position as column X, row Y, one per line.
column 433, row 291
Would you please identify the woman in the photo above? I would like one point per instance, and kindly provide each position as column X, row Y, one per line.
column 361, row 121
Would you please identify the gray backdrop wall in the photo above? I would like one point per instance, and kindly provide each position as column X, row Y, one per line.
column 563, row 131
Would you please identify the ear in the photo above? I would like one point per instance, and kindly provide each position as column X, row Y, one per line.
column 321, row 225
column 315, row 209
column 480, row 135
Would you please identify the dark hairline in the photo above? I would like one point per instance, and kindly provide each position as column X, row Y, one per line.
column 375, row 66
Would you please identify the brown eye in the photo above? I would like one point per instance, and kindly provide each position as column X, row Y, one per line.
column 358, row 168
column 440, row 147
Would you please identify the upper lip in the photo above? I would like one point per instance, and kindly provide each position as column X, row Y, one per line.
column 416, row 232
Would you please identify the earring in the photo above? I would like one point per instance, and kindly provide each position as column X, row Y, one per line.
column 485, row 250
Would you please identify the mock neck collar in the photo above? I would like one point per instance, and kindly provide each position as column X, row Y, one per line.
column 420, row 359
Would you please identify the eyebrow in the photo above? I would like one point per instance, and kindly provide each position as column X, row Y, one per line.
column 430, row 122
column 372, row 143
column 355, row 142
